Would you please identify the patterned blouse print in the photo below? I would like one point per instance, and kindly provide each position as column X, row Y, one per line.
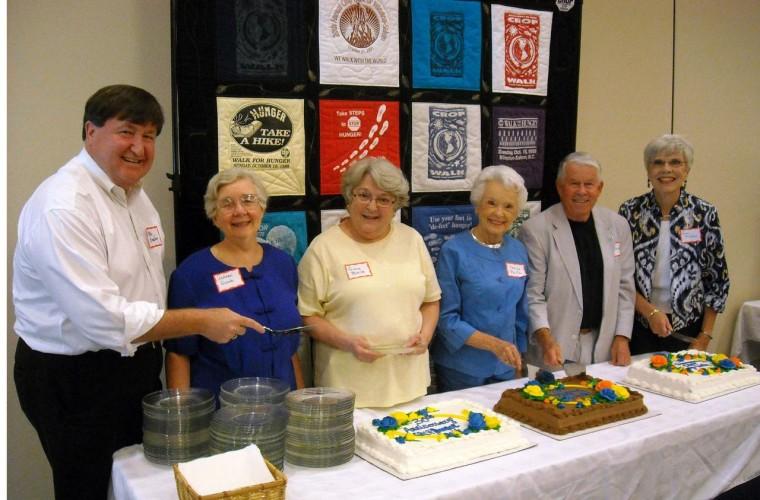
column 697, row 266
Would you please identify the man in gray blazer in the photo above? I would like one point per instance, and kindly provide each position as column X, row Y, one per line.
column 581, row 290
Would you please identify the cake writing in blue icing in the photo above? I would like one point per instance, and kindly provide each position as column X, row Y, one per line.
column 430, row 423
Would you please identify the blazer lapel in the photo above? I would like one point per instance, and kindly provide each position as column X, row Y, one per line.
column 563, row 238
column 605, row 232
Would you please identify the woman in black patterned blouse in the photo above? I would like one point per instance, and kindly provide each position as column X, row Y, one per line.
column 681, row 273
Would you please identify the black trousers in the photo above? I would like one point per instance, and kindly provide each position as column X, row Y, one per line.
column 644, row 341
column 84, row 408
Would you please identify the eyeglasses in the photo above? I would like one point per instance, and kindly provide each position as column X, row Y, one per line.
column 247, row 201
column 674, row 163
column 366, row 198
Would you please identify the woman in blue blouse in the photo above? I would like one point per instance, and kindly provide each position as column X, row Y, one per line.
column 681, row 273
column 251, row 278
column 483, row 274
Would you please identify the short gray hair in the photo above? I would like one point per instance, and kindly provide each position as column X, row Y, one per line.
column 504, row 175
column 668, row 143
column 580, row 158
column 387, row 177
column 226, row 177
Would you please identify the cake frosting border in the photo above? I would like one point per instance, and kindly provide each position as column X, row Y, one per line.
column 692, row 387
column 419, row 457
column 555, row 418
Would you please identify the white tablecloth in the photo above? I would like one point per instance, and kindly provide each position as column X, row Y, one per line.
column 688, row 451
column 746, row 341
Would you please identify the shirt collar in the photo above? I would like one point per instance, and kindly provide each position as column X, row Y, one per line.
column 681, row 203
column 100, row 177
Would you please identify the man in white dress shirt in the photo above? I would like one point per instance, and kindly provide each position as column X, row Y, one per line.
column 90, row 296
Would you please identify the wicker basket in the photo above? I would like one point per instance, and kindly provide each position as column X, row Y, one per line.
column 274, row 490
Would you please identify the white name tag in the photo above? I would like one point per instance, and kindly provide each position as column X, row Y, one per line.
column 228, row 280
column 153, row 236
column 515, row 270
column 616, row 251
column 693, row 235
column 358, row 270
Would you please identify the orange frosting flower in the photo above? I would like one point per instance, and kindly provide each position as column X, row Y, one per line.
column 736, row 360
column 603, row 384
column 658, row 361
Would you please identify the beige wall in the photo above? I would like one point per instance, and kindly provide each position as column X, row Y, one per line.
column 61, row 52
column 627, row 66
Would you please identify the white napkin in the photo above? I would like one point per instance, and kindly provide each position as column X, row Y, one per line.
column 226, row 471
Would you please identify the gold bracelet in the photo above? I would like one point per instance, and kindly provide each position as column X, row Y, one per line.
column 653, row 312
column 702, row 332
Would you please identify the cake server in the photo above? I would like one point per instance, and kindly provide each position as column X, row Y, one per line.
column 287, row 331
column 572, row 368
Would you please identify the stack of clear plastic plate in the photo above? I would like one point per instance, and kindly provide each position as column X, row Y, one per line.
column 236, row 426
column 176, row 424
column 253, row 390
column 320, row 427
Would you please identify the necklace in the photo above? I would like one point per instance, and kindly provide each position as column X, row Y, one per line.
column 487, row 245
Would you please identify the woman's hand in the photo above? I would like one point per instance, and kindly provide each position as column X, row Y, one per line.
column 659, row 324
column 507, row 353
column 700, row 343
column 324, row 331
column 418, row 344
column 360, row 348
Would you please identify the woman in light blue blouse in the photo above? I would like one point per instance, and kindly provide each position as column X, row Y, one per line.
column 483, row 273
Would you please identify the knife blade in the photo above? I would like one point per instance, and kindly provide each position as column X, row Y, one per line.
column 682, row 337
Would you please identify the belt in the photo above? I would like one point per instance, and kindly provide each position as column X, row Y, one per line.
column 584, row 331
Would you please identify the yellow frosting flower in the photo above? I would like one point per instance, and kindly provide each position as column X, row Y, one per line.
column 533, row 390
column 620, row 391
column 411, row 437
column 492, row 422
column 717, row 358
column 400, row 417
column 393, row 434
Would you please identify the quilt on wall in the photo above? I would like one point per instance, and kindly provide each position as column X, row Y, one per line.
column 439, row 224
column 266, row 135
column 446, row 149
column 359, row 42
column 520, row 42
column 286, row 231
column 260, row 39
column 518, row 141
column 352, row 130
column 446, row 45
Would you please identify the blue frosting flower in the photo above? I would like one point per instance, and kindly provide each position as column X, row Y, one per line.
column 545, row 377
column 727, row 364
column 476, row 421
column 400, row 439
column 385, row 424
column 608, row 394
